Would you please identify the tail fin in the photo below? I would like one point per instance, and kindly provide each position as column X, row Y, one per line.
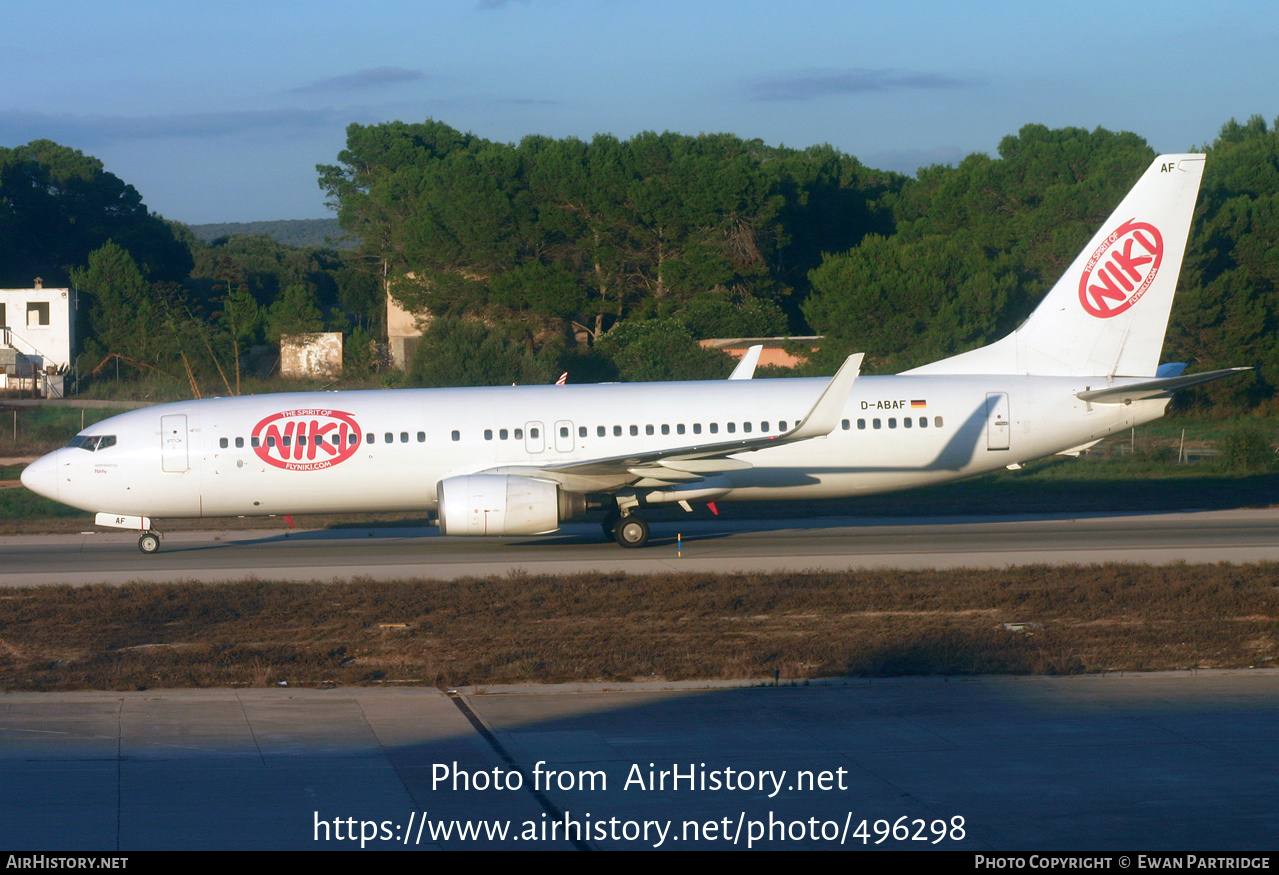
column 1107, row 315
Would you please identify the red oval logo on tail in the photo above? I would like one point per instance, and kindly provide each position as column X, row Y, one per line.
column 1121, row 269
column 306, row 440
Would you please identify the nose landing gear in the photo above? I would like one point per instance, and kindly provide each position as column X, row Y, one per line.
column 149, row 542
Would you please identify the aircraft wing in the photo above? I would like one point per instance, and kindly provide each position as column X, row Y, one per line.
column 746, row 367
column 675, row 464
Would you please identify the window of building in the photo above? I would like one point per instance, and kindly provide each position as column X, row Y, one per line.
column 37, row 313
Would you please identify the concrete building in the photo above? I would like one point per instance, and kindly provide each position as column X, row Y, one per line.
column 315, row 354
column 774, row 353
column 37, row 346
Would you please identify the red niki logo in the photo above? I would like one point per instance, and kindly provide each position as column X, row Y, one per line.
column 306, row 440
column 1121, row 269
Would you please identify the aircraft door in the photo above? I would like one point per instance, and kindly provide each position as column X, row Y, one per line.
column 563, row 436
column 173, row 444
column 534, row 437
column 998, row 421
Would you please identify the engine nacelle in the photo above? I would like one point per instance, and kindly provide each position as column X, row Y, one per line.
column 502, row 504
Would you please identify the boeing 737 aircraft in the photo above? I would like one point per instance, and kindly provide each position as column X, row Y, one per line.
column 522, row 460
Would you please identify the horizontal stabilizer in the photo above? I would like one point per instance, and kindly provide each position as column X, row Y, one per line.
column 1153, row 388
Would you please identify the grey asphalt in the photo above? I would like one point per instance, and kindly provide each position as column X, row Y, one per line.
column 694, row 545
column 1170, row 762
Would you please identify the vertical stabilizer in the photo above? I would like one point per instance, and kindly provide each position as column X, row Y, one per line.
column 1108, row 313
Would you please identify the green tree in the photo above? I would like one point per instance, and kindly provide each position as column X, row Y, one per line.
column 123, row 313
column 57, row 205
column 458, row 352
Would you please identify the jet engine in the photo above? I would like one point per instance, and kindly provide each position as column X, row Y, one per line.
column 503, row 504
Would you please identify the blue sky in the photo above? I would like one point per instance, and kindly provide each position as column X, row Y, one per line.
column 220, row 111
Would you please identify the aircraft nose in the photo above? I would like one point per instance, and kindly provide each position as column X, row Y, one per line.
column 41, row 476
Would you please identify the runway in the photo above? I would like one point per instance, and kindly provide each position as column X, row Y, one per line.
column 1154, row 763
column 695, row 545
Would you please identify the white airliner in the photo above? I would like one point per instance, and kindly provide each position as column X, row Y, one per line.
column 521, row 460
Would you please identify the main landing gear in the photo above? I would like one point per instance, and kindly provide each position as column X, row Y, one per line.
column 629, row 530
column 149, row 542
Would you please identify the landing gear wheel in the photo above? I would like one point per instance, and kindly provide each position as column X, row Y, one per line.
column 149, row 542
column 609, row 524
column 631, row 532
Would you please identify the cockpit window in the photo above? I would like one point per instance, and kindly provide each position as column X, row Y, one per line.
column 92, row 442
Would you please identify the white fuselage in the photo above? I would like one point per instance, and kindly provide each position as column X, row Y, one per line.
column 197, row 459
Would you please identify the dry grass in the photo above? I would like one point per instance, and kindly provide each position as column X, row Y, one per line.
column 525, row 628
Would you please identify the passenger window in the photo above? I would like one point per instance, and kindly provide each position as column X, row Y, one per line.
column 488, row 434
column 404, row 437
column 763, row 426
column 223, row 443
column 253, row 442
column 923, row 422
column 421, row 437
column 533, row 433
column 679, row 429
column 892, row 422
column 861, row 423
column 666, row 429
column 352, row 439
column 519, row 434
column 368, row 438
column 907, row 421
column 503, row 434
column 634, row 430
column 287, row 439
column 781, row 425
column 386, row 438
column 648, row 429
column 714, row 428
column 601, row 430
column 617, row 431
column 937, row 421
column 732, row 428
column 875, row 423
column 697, row 428
column 270, row 442
column 239, row 443
column 457, row 435
column 845, row 424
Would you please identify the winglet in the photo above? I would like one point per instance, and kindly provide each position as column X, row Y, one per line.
column 746, row 367
column 824, row 416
